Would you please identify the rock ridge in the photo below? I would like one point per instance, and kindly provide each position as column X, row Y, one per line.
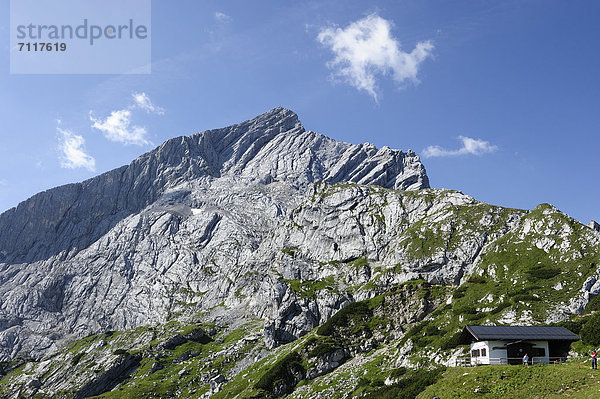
column 187, row 218
column 271, row 147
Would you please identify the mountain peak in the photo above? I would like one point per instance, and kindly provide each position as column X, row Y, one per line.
column 279, row 113
column 278, row 116
column 272, row 147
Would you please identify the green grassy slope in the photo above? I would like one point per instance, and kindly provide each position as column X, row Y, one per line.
column 571, row 380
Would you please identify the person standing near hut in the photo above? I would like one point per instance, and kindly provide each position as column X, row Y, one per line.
column 594, row 360
column 526, row 360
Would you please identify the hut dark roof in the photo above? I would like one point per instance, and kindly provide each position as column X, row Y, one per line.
column 505, row 333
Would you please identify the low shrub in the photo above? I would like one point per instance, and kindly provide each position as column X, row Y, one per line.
column 414, row 331
column 542, row 272
column 354, row 312
column 290, row 251
column 464, row 310
column 360, row 262
column 323, row 348
column 524, row 297
column 590, row 332
column 459, row 292
column 76, row 358
column 476, row 316
column 476, row 280
column 431, row 330
column 408, row 387
column 500, row 307
column 572, row 325
column 283, row 370
column 593, row 305
column 451, row 342
column 399, row 372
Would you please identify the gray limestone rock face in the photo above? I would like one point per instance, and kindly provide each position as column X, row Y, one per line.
column 273, row 147
column 260, row 220
column 189, row 226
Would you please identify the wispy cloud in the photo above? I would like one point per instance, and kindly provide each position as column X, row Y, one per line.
column 366, row 48
column 142, row 101
column 469, row 146
column 3, row 182
column 222, row 17
column 73, row 153
column 116, row 127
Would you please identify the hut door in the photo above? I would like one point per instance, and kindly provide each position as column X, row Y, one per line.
column 516, row 350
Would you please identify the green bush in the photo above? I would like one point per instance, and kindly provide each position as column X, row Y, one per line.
column 476, row 280
column 500, row 307
column 413, row 331
column 323, row 348
column 464, row 310
column 593, row 305
column 377, row 383
column 451, row 342
column 363, row 382
column 524, row 297
column 282, row 371
column 431, row 330
column 459, row 292
column 590, row 332
column 120, row 352
column 360, row 262
column 408, row 387
column 476, row 316
column 572, row 325
column 355, row 312
column 415, row 283
column 290, row 251
column 421, row 341
column 76, row 358
column 399, row 372
column 543, row 272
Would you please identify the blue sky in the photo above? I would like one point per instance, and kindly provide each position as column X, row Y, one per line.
column 503, row 97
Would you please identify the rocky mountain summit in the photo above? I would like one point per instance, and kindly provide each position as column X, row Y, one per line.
column 238, row 262
column 127, row 247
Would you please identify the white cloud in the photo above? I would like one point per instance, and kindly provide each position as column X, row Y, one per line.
column 3, row 182
column 73, row 153
column 222, row 17
column 469, row 146
column 116, row 127
column 143, row 101
column 366, row 48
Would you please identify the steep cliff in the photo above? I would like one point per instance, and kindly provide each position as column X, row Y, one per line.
column 180, row 224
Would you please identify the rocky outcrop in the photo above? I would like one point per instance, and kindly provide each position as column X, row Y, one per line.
column 110, row 378
column 178, row 225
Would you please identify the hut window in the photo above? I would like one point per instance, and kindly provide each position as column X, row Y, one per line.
column 538, row 352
